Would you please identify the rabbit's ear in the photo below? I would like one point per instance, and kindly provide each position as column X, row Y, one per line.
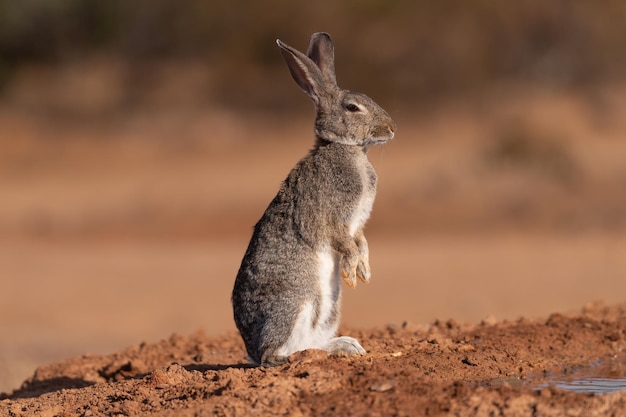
column 321, row 52
column 304, row 71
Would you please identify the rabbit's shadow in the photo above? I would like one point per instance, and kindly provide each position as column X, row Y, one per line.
column 221, row 367
column 38, row 388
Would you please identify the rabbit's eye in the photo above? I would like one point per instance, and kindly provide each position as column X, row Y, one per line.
column 351, row 107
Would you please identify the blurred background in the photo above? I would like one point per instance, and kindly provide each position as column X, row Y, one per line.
column 141, row 141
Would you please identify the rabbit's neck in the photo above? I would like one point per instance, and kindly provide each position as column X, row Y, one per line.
column 321, row 142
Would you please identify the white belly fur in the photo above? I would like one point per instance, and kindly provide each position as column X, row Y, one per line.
column 361, row 213
column 304, row 334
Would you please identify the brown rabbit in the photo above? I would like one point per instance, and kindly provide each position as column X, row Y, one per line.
column 287, row 294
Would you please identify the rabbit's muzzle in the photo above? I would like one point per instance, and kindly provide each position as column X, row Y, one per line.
column 382, row 134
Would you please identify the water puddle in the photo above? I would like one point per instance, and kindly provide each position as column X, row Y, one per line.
column 603, row 377
column 591, row 385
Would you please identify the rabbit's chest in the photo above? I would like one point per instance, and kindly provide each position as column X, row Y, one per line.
column 361, row 213
column 365, row 202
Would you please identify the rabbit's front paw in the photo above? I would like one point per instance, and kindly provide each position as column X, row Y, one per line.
column 349, row 271
column 363, row 271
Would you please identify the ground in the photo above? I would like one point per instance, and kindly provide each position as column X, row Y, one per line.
column 445, row 368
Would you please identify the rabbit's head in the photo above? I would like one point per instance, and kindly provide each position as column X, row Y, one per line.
column 342, row 116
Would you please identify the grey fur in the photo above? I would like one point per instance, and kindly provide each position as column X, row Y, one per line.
column 285, row 296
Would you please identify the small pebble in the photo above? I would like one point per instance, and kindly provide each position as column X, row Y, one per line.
column 383, row 386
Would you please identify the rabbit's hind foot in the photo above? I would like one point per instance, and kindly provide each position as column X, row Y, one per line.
column 344, row 346
column 270, row 360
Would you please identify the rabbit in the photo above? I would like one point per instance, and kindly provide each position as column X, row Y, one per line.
column 287, row 293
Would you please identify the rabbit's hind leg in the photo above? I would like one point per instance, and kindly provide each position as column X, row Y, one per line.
column 344, row 346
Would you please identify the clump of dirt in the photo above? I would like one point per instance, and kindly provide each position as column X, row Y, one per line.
column 445, row 368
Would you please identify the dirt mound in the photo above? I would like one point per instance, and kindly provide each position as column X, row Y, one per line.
column 446, row 368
